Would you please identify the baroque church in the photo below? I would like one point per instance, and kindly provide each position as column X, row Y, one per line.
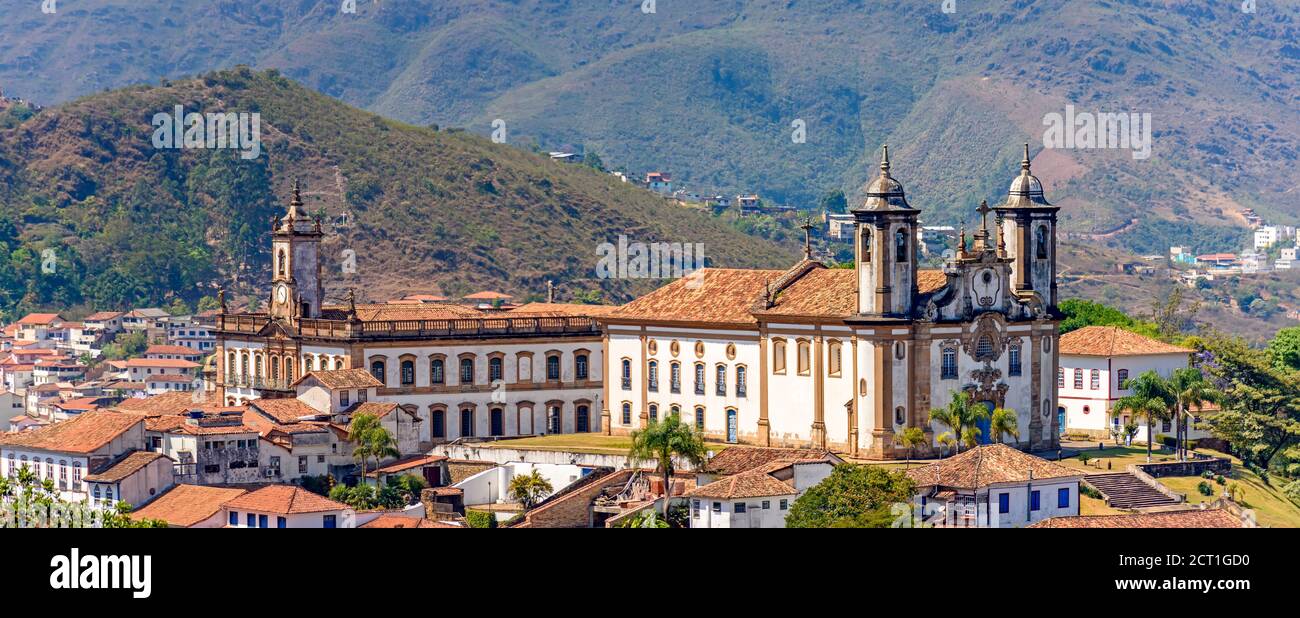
column 847, row 359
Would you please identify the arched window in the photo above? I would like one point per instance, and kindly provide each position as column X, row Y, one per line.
column 554, row 420
column 653, row 411
column 778, row 356
column 308, row 365
column 437, row 371
column 722, row 380
column 466, row 371
column 408, row 373
column 439, row 417
column 1040, row 242
column 496, row 369
column 553, row 368
column 804, row 358
column 627, row 413
column 580, row 367
column 582, row 419
column 652, row 382
column 900, row 246
column 741, row 388
column 627, row 374
column 288, row 370
column 675, row 410
column 243, row 364
column 949, row 370
column 833, row 356
column 282, row 262
column 257, row 366
column 699, row 378
column 466, row 422
column 1122, row 376
column 232, row 364
column 275, row 368
column 900, row 415
column 675, row 377
column 866, row 243
column 338, row 363
column 378, row 370
column 699, row 419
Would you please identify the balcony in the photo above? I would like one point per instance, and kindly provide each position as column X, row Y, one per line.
column 259, row 383
column 252, row 323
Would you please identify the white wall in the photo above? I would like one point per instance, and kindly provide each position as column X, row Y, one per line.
column 492, row 486
column 755, row 516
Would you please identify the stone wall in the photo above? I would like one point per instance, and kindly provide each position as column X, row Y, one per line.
column 1193, row 467
column 574, row 509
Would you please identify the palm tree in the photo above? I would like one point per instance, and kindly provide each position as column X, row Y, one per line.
column 1152, row 399
column 910, row 439
column 946, row 440
column 1004, row 422
column 529, row 489
column 1190, row 389
column 370, row 439
column 662, row 440
column 961, row 416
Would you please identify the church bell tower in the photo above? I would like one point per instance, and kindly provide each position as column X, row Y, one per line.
column 886, row 247
column 296, row 289
column 1029, row 225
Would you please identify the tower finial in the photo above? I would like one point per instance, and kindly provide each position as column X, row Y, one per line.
column 884, row 160
column 1024, row 164
column 807, row 238
column 297, row 193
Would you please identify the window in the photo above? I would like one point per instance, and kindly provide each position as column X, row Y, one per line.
column 1060, row 377
column 717, row 507
column 63, row 473
column 627, row 414
column 376, row 369
column 785, row 504
column 949, row 364
column 778, row 356
column 833, row 359
column 1094, row 380
column 900, row 415
column 695, row 509
column 767, row 505
column 261, row 521
column 437, row 371
column 329, row 521
column 1004, row 503
column 654, row 413
column 466, row 422
column 866, row 243
column 984, row 348
column 466, row 371
column 307, row 365
column 1078, row 379
column 1034, row 500
column 580, row 366
column 302, row 464
column 582, row 419
column 1166, row 425
column 699, row 419
column 1121, row 377
column 1063, row 498
column 741, row 388
column 1013, row 359
column 553, row 368
column 252, row 520
column 804, row 357
column 740, row 507
column 234, row 515
column 900, row 246
column 722, row 380
column 408, row 373
column 439, row 418
column 699, row 378
column 627, row 375
column 344, row 400
column 675, row 377
column 1040, row 242
column 496, row 369
column 652, row 383
column 281, row 522
column 281, row 262
column 553, row 419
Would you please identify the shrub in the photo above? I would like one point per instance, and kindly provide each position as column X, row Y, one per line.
column 1087, row 490
column 1219, row 479
column 1205, row 488
column 1291, row 491
column 480, row 519
column 1207, row 475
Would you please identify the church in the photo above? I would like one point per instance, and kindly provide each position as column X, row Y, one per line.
column 847, row 359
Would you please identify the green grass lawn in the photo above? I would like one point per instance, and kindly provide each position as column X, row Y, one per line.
column 1119, row 458
column 1272, row 508
column 581, row 443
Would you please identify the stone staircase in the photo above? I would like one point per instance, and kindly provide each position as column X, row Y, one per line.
column 1125, row 491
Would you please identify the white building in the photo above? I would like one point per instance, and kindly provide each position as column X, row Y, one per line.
column 995, row 486
column 756, row 498
column 848, row 358
column 190, row 506
column 66, row 452
column 286, row 506
column 1096, row 361
column 1266, row 236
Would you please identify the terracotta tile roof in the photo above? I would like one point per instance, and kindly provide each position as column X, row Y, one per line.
column 751, row 484
column 84, row 404
column 1207, row 518
column 175, row 402
column 1114, row 341
column 410, row 463
column 562, row 310
column 172, row 349
column 343, row 378
column 284, row 500
column 394, row 520
column 163, row 363
column 187, row 505
column 737, row 459
column 284, row 410
column 124, row 467
column 383, row 313
column 377, row 408
column 425, row 298
column 103, row 316
column 266, row 427
column 987, row 464
column 37, row 319
column 717, row 295
column 488, row 296
column 84, row 434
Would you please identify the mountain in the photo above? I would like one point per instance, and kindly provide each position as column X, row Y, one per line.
column 421, row 210
column 710, row 91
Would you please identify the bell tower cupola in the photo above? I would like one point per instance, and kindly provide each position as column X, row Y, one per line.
column 885, row 247
column 296, row 290
column 1029, row 230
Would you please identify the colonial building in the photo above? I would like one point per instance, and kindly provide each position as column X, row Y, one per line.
column 849, row 358
column 461, row 371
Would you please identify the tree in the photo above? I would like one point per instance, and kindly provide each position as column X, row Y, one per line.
column 962, row 415
column 663, row 440
column 1260, row 415
column 909, row 439
column 834, row 202
column 1285, row 348
column 529, row 489
column 853, row 496
column 1152, row 399
column 1190, row 390
column 1080, row 313
column 369, row 439
column 1004, row 422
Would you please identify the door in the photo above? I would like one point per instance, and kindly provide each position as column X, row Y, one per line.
column 498, row 422
column 731, row 427
column 439, row 424
column 1060, row 421
column 583, row 420
column 985, row 426
column 553, row 420
column 466, row 423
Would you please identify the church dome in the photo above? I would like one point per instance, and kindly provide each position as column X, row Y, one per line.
column 1026, row 190
column 885, row 193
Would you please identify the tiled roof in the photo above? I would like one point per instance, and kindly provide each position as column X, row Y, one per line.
column 717, row 295
column 103, row 316
column 410, row 463
column 392, row 520
column 987, row 464
column 383, row 313
column 179, row 350
column 124, row 467
column 751, row 484
column 164, row 363
column 84, row 404
column 36, row 319
column 84, row 434
column 284, row 500
column 176, row 402
column 187, row 505
column 343, row 378
column 1207, row 518
column 737, row 459
column 1114, row 341
column 284, row 410
column 488, row 296
column 562, row 310
column 376, row 408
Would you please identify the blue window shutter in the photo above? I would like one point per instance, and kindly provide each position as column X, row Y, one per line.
column 1004, row 503
column 261, row 521
column 252, row 520
column 234, row 518
column 1034, row 500
column 280, row 522
column 1063, row 498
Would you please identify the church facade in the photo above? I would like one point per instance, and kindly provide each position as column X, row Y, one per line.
column 847, row 359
